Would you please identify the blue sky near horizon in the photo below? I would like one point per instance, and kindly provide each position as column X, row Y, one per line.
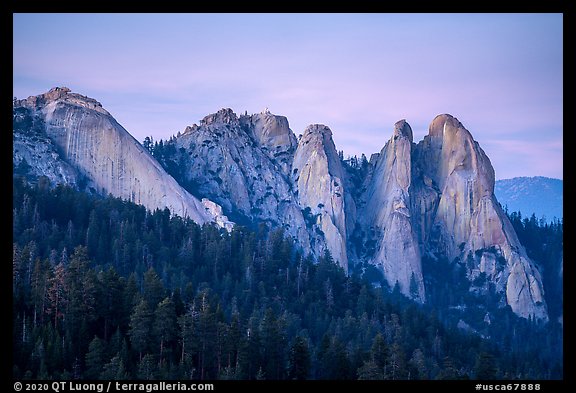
column 501, row 75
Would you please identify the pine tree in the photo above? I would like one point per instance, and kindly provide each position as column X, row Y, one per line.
column 322, row 357
column 448, row 371
column 274, row 343
column 397, row 362
column 110, row 291
column 370, row 371
column 147, row 368
column 140, row 324
column 207, row 333
column 57, row 294
column 148, row 144
column 115, row 344
column 164, row 328
column 17, row 273
column 153, row 290
column 340, row 367
column 80, row 284
column 130, row 297
column 235, row 341
column 418, row 363
column 379, row 352
column 115, row 370
column 485, row 368
column 94, row 358
column 39, row 290
column 299, row 361
column 188, row 330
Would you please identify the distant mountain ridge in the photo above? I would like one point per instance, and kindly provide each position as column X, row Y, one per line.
column 539, row 195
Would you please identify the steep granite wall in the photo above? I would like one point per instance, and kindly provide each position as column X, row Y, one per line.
column 435, row 198
column 468, row 220
column 318, row 176
column 89, row 139
column 387, row 213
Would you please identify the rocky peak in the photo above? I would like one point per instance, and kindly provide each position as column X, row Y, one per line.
column 318, row 176
column 91, row 141
column 55, row 93
column 190, row 129
column 459, row 210
column 315, row 131
column 449, row 149
column 247, row 175
column 403, row 130
column 387, row 214
column 271, row 131
column 223, row 116
column 59, row 95
column 273, row 136
column 442, row 123
column 319, row 137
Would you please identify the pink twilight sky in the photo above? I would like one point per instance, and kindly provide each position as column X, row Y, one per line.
column 501, row 75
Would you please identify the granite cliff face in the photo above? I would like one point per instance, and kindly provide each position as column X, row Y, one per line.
column 318, row 177
column 257, row 170
column 464, row 219
column 387, row 213
column 437, row 199
column 273, row 135
column 413, row 202
column 222, row 159
column 81, row 135
column 34, row 154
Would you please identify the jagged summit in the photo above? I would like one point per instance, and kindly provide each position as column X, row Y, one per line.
column 53, row 94
column 103, row 155
column 321, row 129
column 225, row 116
column 272, row 132
column 60, row 94
column 403, row 129
column 319, row 178
column 412, row 202
column 463, row 220
column 438, row 124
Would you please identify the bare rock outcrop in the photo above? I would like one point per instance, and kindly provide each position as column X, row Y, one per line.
column 387, row 213
column 410, row 202
column 90, row 140
column 273, row 134
column 235, row 161
column 318, row 175
column 257, row 170
column 467, row 222
column 34, row 155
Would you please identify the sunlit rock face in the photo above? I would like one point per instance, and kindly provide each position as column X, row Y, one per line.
column 434, row 199
column 242, row 163
column 273, row 133
column 319, row 180
column 437, row 198
column 90, row 141
column 465, row 221
column 254, row 166
column 388, row 213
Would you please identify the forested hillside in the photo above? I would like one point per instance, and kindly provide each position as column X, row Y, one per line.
column 103, row 288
